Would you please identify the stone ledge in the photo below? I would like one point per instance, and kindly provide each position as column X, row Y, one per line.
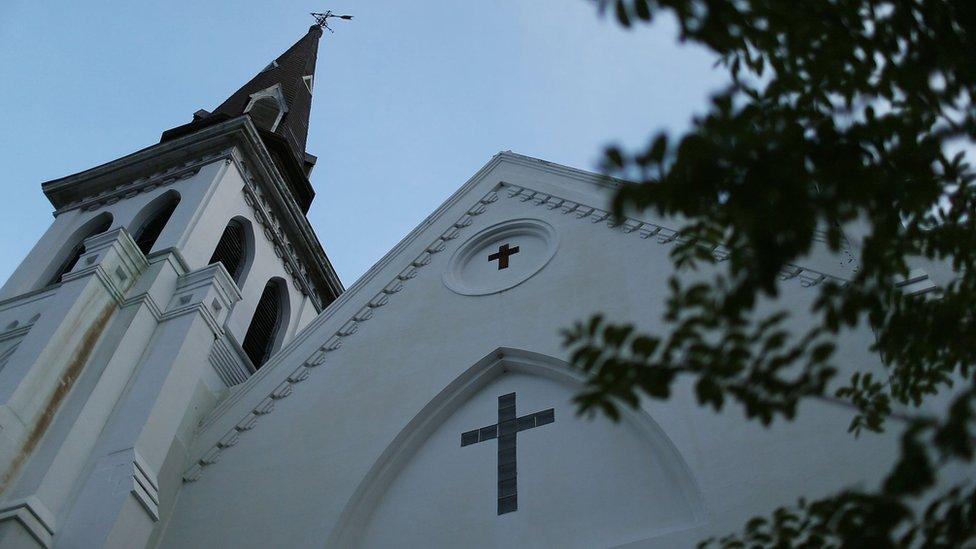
column 33, row 516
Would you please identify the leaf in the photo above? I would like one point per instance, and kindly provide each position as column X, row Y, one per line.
column 621, row 11
column 658, row 148
column 642, row 9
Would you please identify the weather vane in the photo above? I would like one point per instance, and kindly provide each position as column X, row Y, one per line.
column 322, row 19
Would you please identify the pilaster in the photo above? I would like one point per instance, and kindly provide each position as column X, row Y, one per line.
column 53, row 355
column 121, row 492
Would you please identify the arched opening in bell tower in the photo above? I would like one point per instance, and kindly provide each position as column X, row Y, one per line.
column 268, row 324
column 76, row 247
column 235, row 249
column 153, row 219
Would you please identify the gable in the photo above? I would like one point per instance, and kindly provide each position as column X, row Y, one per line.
column 309, row 429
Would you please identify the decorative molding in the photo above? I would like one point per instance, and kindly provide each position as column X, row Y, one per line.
column 229, row 360
column 34, row 295
column 273, row 92
column 459, row 280
column 231, row 141
column 128, row 260
column 11, row 338
column 275, row 235
column 146, row 184
column 145, row 488
column 599, row 180
column 146, row 299
column 918, row 283
column 199, row 283
column 17, row 330
column 348, row 329
column 33, row 516
column 646, row 230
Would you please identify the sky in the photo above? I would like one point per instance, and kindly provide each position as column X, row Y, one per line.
column 411, row 98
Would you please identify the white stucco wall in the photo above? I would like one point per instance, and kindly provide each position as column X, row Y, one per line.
column 107, row 374
column 209, row 199
column 332, row 462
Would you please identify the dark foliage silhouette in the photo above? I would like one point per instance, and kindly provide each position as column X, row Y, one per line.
column 839, row 115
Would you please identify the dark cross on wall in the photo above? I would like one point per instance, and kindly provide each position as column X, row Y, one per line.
column 505, row 431
column 502, row 255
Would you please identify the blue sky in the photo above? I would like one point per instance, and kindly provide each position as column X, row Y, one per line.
column 411, row 98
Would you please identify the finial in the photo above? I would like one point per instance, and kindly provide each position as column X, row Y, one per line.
column 322, row 19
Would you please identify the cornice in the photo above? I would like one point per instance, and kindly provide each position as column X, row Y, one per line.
column 294, row 219
column 155, row 159
column 599, row 180
column 143, row 185
column 277, row 237
column 33, row 295
column 647, row 230
column 180, row 158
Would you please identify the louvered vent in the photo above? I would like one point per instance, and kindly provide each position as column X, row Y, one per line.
column 264, row 326
column 231, row 250
column 264, row 113
column 151, row 229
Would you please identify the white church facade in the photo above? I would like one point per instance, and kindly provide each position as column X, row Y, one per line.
column 180, row 366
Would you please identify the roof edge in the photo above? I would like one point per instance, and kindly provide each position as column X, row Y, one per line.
column 238, row 131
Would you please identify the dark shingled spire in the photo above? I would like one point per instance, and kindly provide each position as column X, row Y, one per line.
column 288, row 78
column 290, row 71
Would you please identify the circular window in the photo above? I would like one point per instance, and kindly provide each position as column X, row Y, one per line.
column 501, row 257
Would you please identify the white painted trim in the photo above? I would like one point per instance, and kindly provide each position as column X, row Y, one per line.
column 237, row 140
column 145, row 487
column 358, row 509
column 273, row 92
column 34, row 516
column 453, row 278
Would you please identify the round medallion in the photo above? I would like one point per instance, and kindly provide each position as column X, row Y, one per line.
column 501, row 257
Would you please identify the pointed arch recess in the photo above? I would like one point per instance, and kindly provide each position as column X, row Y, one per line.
column 74, row 248
column 148, row 225
column 235, row 249
column 358, row 510
column 269, row 323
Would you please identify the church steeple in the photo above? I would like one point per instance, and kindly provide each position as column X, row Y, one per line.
column 279, row 98
column 278, row 101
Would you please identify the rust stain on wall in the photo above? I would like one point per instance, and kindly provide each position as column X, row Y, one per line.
column 71, row 374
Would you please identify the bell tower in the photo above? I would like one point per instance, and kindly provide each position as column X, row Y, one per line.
column 167, row 278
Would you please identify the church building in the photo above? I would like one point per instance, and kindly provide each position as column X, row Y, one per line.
column 181, row 367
